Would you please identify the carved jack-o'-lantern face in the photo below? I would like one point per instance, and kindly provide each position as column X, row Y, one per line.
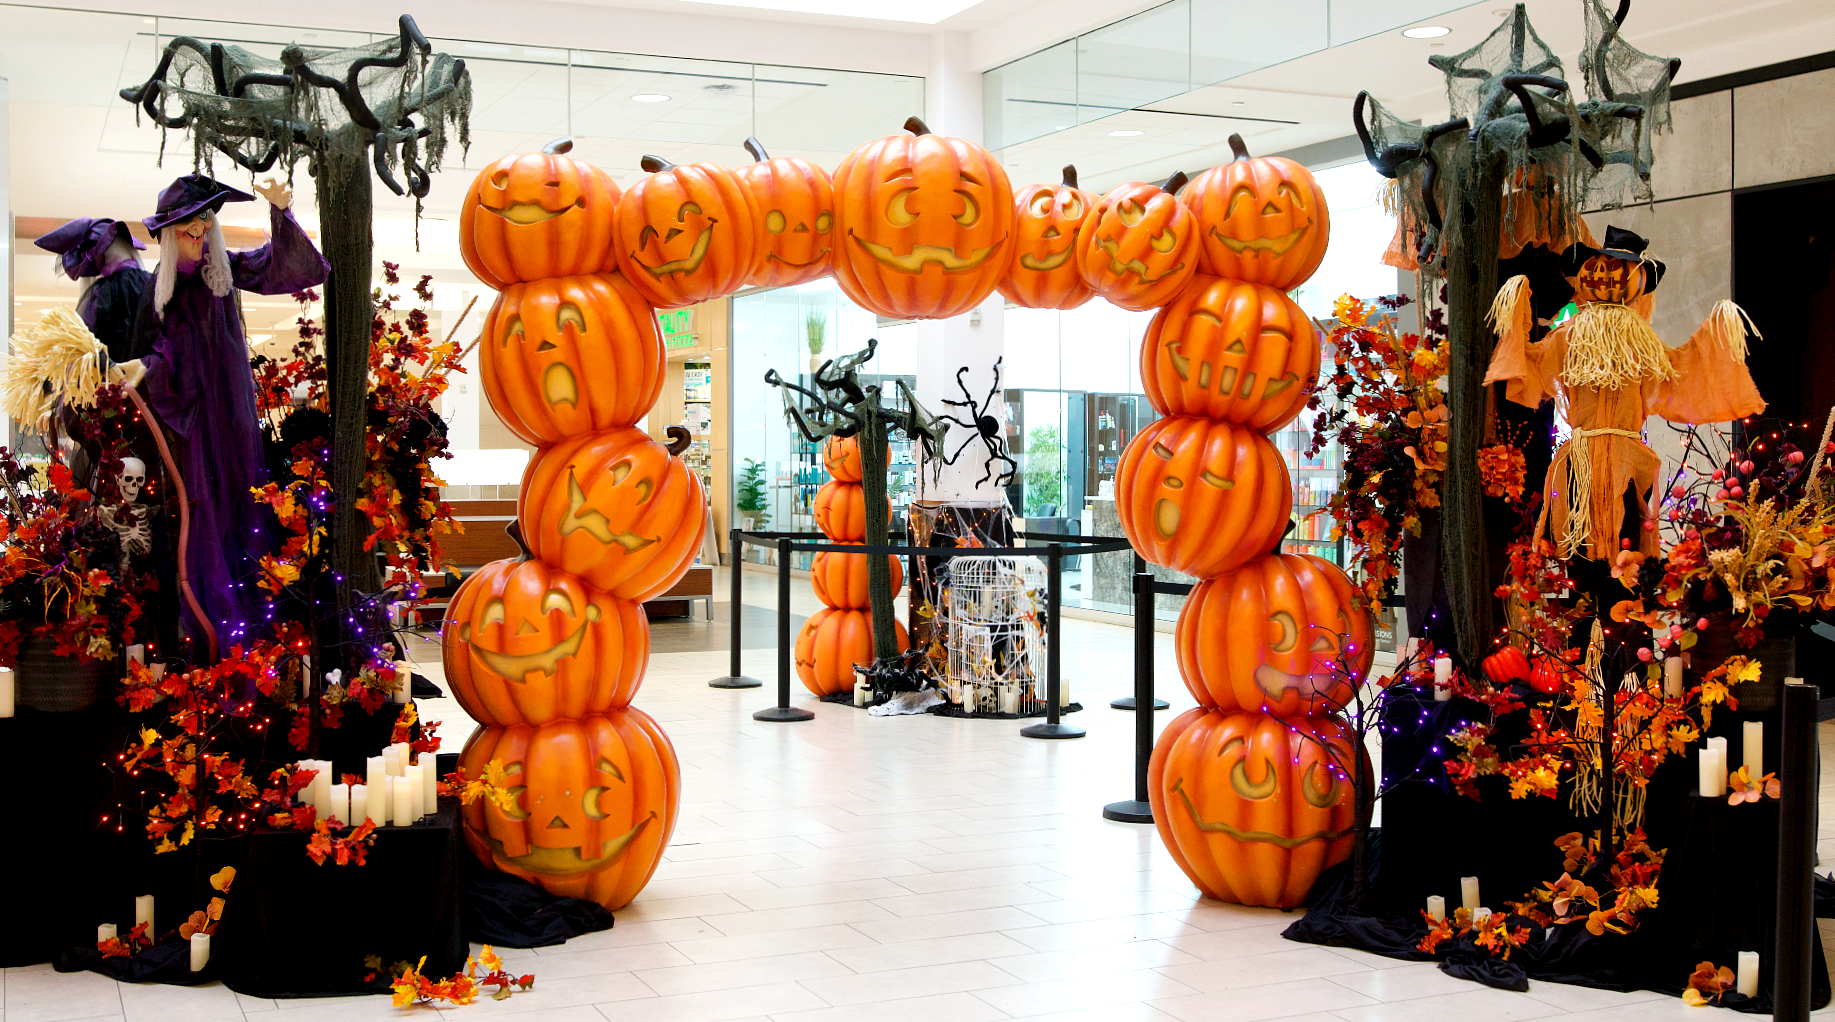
column 924, row 224
column 1201, row 496
column 797, row 202
column 1604, row 278
column 1263, row 219
column 537, row 215
column 1139, row 246
column 1240, row 353
column 1044, row 274
column 687, row 234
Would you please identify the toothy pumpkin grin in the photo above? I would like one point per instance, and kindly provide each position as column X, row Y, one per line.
column 515, row 666
column 1050, row 262
column 523, row 214
column 1272, row 246
column 687, row 264
column 1135, row 266
column 552, row 861
column 1260, row 836
column 921, row 255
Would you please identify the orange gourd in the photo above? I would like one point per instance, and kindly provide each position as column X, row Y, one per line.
column 841, row 511
column 841, row 457
column 1043, row 273
column 1604, row 278
column 1262, row 219
column 1202, row 497
column 924, row 225
column 1283, row 634
column 831, row 642
column 1236, row 352
column 526, row 644
column 840, row 580
column 687, row 234
column 616, row 509
column 797, row 204
column 1253, row 809
column 1139, row 246
column 595, row 802
column 537, row 215
column 564, row 356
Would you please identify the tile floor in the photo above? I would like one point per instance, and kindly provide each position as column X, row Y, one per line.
column 894, row 869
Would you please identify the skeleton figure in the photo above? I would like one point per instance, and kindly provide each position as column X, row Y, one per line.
column 130, row 521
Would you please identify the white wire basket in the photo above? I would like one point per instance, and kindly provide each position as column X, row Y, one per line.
column 994, row 609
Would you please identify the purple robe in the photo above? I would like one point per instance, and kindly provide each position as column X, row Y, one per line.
column 199, row 383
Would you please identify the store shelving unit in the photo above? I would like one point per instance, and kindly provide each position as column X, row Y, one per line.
column 1315, row 481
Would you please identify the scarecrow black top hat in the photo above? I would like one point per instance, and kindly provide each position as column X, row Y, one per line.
column 188, row 196
column 1620, row 244
column 84, row 243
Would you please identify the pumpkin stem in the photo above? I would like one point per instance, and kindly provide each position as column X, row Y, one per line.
column 1177, row 181
column 1070, row 175
column 514, row 530
column 654, row 164
column 916, row 126
column 557, row 147
column 1239, row 147
column 679, row 439
column 757, row 150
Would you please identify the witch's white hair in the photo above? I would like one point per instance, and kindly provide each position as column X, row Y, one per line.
column 216, row 265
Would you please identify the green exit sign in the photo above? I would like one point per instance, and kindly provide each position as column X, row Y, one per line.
column 678, row 328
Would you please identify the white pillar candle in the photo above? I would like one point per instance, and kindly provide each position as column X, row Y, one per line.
column 1719, row 745
column 143, row 913
column 967, row 689
column 359, row 804
column 1436, row 907
column 137, row 653
column 378, row 791
column 1752, row 748
column 391, row 760
column 200, row 951
column 403, row 756
column 1009, row 699
column 404, row 681
column 321, row 786
column 1479, row 915
column 6, row 693
column 1443, row 680
column 1063, row 693
column 158, row 671
column 1468, row 893
column 1712, row 764
column 1746, row 981
column 404, row 799
column 340, row 803
column 413, row 773
column 106, row 931
column 430, row 784
column 1672, row 678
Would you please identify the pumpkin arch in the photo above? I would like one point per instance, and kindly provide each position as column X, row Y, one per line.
column 1139, row 246
column 1043, row 273
column 1202, row 497
column 687, row 234
column 536, row 215
column 1262, row 219
column 1228, row 350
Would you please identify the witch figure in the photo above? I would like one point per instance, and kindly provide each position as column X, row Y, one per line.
column 191, row 361
column 99, row 254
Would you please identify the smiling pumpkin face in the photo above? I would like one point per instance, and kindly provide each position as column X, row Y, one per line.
column 537, row 215
column 1228, row 350
column 924, row 225
column 1263, row 219
column 1201, row 497
column 1139, row 246
column 687, row 234
column 526, row 644
column 797, row 204
column 1043, row 273
column 595, row 802
column 1282, row 634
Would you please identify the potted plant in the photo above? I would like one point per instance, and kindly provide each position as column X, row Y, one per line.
column 751, row 497
column 815, row 326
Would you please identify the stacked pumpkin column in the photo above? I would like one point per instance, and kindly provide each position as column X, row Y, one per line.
column 840, row 635
column 546, row 650
column 1252, row 790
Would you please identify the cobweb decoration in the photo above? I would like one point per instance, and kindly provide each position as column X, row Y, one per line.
column 995, row 643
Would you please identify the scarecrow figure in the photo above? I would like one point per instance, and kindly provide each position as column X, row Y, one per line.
column 1613, row 372
column 99, row 254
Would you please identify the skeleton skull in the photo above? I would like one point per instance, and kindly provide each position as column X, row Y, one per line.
column 133, row 479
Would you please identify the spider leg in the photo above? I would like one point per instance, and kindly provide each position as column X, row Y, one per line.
column 951, row 459
column 964, row 387
column 995, row 389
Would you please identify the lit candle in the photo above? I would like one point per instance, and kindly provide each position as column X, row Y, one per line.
column 404, row 681
column 158, row 671
column 1479, row 915
column 1436, row 908
column 340, row 803
column 143, row 913
column 1009, row 699
column 377, row 791
column 1752, row 748
column 403, row 801
column 1063, row 693
column 137, row 653
column 415, row 772
column 391, row 760
column 359, row 804
column 200, row 951
column 430, row 784
column 1468, row 893
column 1747, row 981
column 402, row 757
column 1672, row 678
column 1712, row 764
column 106, row 931
column 6, row 692
column 1443, row 680
column 321, row 786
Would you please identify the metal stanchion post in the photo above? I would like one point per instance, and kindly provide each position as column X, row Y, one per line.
column 1127, row 702
column 1054, row 582
column 1139, row 809
column 783, row 710
column 1791, row 966
column 735, row 678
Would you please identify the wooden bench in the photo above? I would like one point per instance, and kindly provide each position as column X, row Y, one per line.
column 698, row 584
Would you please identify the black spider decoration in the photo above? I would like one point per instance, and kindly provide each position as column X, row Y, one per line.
column 983, row 427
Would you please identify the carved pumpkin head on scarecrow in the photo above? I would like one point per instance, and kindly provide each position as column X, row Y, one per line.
column 1617, row 273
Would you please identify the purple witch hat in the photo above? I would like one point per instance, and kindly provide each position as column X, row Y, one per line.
column 187, row 196
column 84, row 243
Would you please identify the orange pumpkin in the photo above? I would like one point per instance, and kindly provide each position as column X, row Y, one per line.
column 841, row 511
column 1240, row 353
column 526, row 644
column 925, row 225
column 616, row 509
column 1263, row 219
column 841, row 457
column 1202, row 497
column 1043, row 273
column 570, row 355
column 1251, row 808
column 596, row 801
column 1283, row 634
column 687, row 234
column 797, row 202
column 1139, row 246
column 840, row 580
column 1604, row 278
column 536, row 215
column 831, row 642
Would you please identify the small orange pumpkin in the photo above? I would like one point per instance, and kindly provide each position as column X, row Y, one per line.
column 1202, row 497
column 840, row 580
column 1240, row 353
column 536, row 215
column 526, row 644
column 831, row 642
column 616, row 509
column 841, row 457
column 1283, row 634
column 841, row 511
column 687, row 234
column 564, row 356
column 1139, row 246
column 595, row 803
column 797, row 202
column 924, row 222
column 1263, row 219
column 1253, row 809
column 1043, row 273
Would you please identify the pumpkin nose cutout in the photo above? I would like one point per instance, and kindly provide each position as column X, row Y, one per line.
column 558, row 824
column 526, row 628
column 1270, row 210
column 801, row 229
column 1050, row 232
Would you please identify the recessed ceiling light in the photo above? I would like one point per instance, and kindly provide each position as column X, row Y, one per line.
column 649, row 97
column 1426, row 31
column 1061, row 127
column 1236, row 102
column 720, row 87
column 1126, row 133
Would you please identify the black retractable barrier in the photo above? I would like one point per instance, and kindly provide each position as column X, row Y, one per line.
column 735, row 678
column 1792, row 968
column 1054, row 584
